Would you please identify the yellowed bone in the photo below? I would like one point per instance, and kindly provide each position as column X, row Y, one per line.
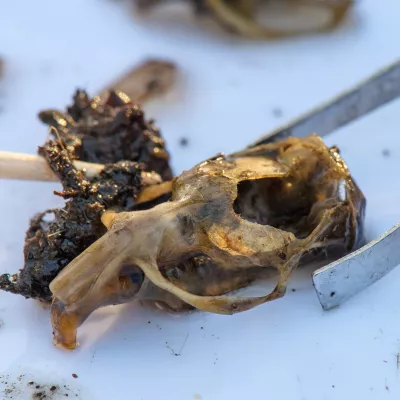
column 202, row 218
column 242, row 16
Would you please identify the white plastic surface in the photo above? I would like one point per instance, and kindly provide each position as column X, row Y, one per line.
column 231, row 91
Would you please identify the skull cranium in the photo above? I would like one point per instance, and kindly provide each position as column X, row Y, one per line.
column 228, row 220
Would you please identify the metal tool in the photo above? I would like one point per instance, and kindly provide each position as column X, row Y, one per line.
column 344, row 278
column 375, row 91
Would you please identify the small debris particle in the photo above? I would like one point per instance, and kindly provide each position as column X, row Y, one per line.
column 31, row 383
column 53, row 388
column 74, row 376
column 387, row 387
column 201, row 328
column 332, row 294
column 293, row 290
column 333, row 386
column 152, row 86
column 277, row 112
column 149, row 322
column 282, row 255
column 183, row 142
column 37, row 386
column 385, row 361
column 397, row 361
column 197, row 396
column 386, row 153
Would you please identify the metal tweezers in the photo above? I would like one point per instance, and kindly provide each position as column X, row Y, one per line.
column 342, row 279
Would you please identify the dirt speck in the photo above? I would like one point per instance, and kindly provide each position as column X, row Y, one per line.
column 386, row 153
column 52, row 392
column 25, row 385
column 75, row 376
column 184, row 142
column 293, row 290
column 277, row 112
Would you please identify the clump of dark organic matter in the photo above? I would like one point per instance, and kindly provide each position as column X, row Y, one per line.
column 114, row 133
column 108, row 132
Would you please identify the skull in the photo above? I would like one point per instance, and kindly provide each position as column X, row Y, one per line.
column 269, row 18
column 229, row 220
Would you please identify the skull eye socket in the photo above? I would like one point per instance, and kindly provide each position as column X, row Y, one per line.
column 282, row 203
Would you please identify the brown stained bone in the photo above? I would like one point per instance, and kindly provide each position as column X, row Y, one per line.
column 244, row 16
column 268, row 207
column 150, row 79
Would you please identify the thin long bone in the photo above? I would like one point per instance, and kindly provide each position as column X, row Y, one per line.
column 33, row 167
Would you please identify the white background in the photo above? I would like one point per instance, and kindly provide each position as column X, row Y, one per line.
column 288, row 349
